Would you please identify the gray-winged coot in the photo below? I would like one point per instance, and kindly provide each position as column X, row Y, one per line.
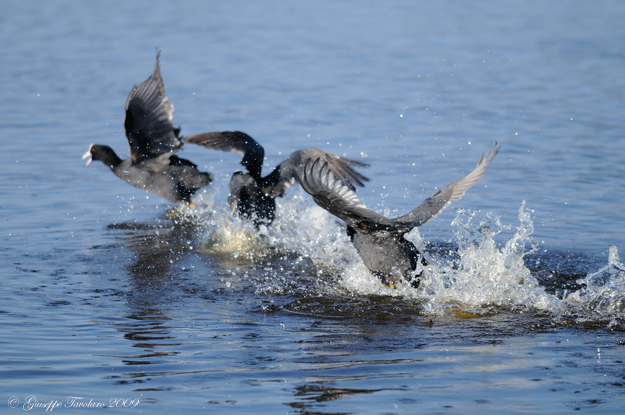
column 380, row 240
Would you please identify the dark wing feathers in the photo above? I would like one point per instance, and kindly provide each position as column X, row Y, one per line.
column 282, row 176
column 174, row 160
column 148, row 122
column 237, row 142
column 434, row 204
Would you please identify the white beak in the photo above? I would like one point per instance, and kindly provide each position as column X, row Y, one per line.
column 88, row 154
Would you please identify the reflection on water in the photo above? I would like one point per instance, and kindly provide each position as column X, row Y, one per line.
column 156, row 248
column 306, row 394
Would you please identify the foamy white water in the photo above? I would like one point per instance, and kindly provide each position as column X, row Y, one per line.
column 482, row 275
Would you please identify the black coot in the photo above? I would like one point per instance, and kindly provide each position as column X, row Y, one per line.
column 253, row 196
column 152, row 165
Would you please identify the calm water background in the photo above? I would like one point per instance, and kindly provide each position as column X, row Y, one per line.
column 103, row 296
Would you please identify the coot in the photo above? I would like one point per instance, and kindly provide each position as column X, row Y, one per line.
column 153, row 140
column 379, row 240
column 252, row 195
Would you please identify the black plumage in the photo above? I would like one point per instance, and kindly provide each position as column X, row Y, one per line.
column 252, row 195
column 153, row 140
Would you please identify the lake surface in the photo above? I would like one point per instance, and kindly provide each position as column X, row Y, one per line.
column 116, row 297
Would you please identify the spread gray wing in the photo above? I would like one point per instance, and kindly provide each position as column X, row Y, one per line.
column 148, row 122
column 237, row 142
column 434, row 204
column 329, row 192
column 341, row 167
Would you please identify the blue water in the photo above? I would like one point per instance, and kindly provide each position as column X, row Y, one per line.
column 111, row 293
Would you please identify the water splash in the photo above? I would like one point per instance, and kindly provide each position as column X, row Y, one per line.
column 602, row 296
column 484, row 278
column 608, row 275
column 481, row 276
column 306, row 251
column 228, row 235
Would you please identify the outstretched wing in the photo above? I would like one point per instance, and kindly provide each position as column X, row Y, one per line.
column 434, row 204
column 342, row 168
column 237, row 142
column 148, row 121
column 333, row 195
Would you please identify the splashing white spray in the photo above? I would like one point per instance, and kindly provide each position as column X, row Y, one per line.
column 479, row 278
